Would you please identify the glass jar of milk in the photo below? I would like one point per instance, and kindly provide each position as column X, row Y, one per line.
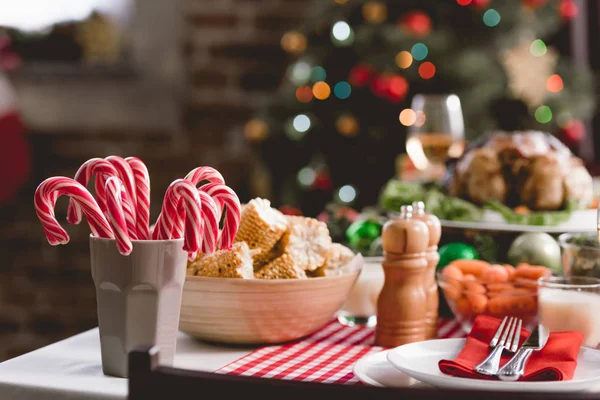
column 571, row 304
column 360, row 307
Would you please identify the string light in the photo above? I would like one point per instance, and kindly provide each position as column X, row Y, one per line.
column 256, row 130
column 404, row 59
column 464, row 2
column 419, row 51
column 347, row 194
column 318, row 74
column 342, row 34
column 538, row 48
column 347, row 125
column 321, row 90
column 299, row 73
column 301, row 123
column 491, row 18
column 342, row 90
column 543, row 114
column 427, row 70
column 397, row 86
column 304, row 94
column 307, row 176
column 293, row 42
column 408, row 117
column 374, row 11
column 554, row 83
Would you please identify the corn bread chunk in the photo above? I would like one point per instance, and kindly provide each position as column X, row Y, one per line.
column 307, row 241
column 261, row 227
column 283, row 267
column 337, row 257
column 234, row 263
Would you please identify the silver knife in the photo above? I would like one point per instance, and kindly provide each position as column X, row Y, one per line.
column 514, row 369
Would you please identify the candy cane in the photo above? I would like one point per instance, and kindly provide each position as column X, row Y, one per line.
column 210, row 216
column 116, row 214
column 186, row 191
column 126, row 174
column 93, row 166
column 45, row 199
column 200, row 174
column 225, row 196
column 142, row 191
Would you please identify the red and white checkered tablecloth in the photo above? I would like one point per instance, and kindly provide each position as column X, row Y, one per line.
column 327, row 355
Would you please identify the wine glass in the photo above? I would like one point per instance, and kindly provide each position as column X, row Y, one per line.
column 437, row 133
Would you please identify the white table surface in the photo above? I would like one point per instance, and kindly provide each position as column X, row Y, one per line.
column 72, row 368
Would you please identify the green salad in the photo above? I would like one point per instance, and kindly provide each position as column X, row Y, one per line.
column 397, row 193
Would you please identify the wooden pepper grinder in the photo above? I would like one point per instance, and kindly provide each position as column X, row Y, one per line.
column 433, row 258
column 402, row 302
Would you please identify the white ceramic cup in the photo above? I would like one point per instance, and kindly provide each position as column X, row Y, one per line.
column 138, row 298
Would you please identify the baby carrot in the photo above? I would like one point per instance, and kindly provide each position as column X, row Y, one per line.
column 478, row 302
column 531, row 272
column 494, row 274
column 452, row 273
column 463, row 307
column 473, row 267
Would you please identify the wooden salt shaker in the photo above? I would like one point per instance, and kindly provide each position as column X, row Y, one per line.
column 433, row 258
column 402, row 305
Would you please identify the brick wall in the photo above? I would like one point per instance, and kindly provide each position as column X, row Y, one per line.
column 232, row 60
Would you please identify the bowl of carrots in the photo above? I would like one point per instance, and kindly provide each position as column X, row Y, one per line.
column 475, row 287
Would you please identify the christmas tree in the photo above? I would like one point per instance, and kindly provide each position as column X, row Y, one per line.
column 332, row 132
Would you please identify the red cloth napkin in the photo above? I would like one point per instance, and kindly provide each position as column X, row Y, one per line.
column 555, row 362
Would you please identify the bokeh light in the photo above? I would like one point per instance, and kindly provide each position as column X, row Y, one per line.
column 341, row 30
column 304, row 94
column 408, row 117
column 543, row 114
column 464, row 2
column 318, row 74
column 538, row 48
column 398, row 86
column 347, row 125
column 299, row 73
column 301, row 123
column 321, row 90
column 342, row 90
column 554, row 83
column 427, row 70
column 491, row 18
column 404, row 59
column 419, row 51
column 347, row 194
column 340, row 1
column 374, row 11
column 293, row 42
column 306, row 176
column 256, row 130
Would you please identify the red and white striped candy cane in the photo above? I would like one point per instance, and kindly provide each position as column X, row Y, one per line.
column 116, row 214
column 126, row 174
column 225, row 196
column 142, row 191
column 200, row 174
column 210, row 215
column 45, row 199
column 185, row 191
column 93, row 166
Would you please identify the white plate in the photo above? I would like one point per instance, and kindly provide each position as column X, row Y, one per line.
column 580, row 221
column 420, row 361
column 375, row 370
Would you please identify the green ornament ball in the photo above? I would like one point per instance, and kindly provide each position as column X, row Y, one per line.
column 361, row 234
column 456, row 251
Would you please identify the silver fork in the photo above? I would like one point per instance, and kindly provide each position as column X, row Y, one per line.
column 509, row 341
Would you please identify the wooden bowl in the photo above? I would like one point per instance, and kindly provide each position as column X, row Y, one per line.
column 257, row 311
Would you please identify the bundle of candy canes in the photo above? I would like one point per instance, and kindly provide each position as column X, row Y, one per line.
column 192, row 207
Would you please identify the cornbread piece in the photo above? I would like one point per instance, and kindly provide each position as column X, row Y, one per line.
column 234, row 263
column 283, row 267
column 261, row 227
column 338, row 256
column 307, row 241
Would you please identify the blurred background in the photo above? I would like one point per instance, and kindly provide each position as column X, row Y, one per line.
column 302, row 102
